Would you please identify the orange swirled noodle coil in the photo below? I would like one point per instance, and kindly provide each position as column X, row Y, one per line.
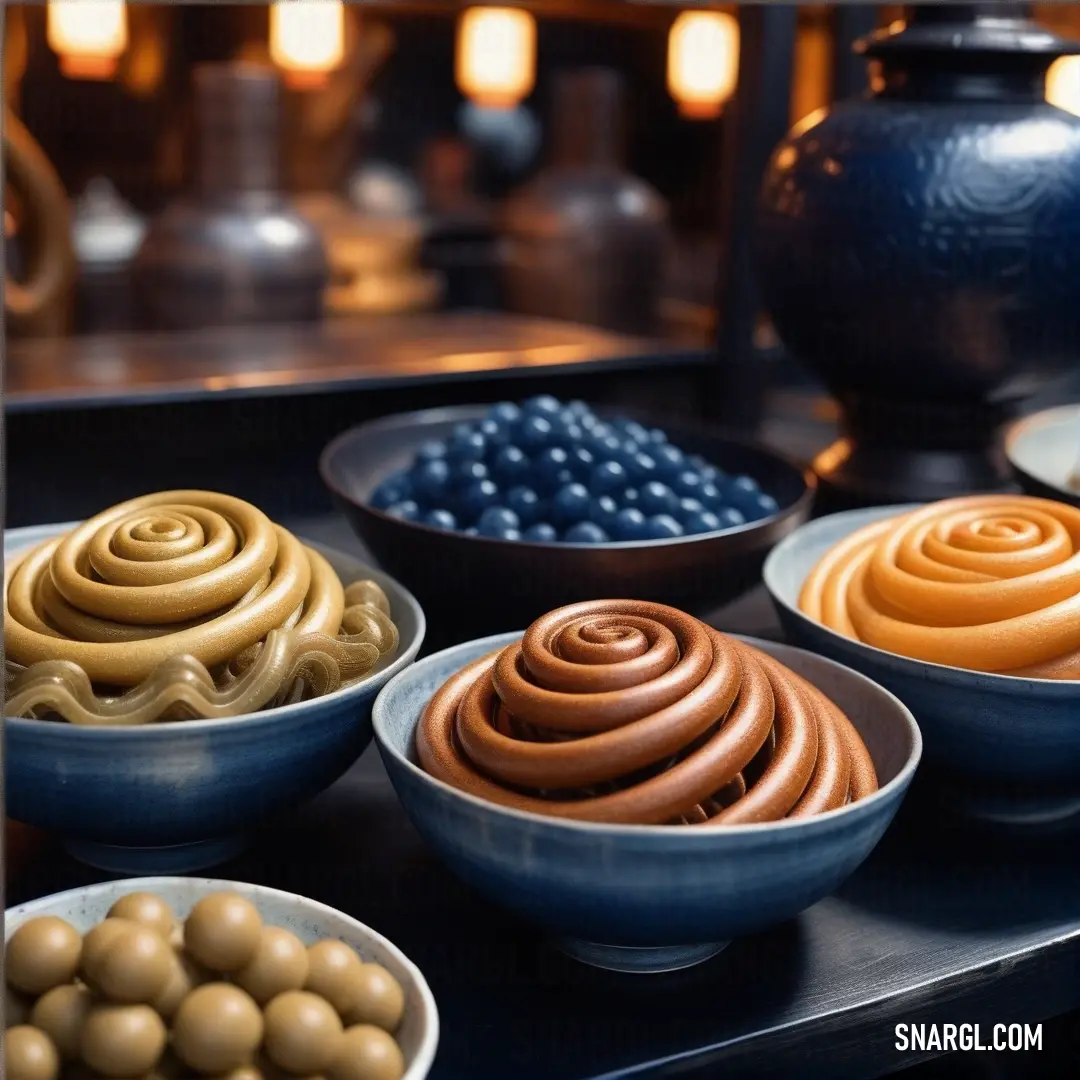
column 988, row 583
column 180, row 605
column 636, row 713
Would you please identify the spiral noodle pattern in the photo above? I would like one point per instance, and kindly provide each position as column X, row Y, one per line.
column 635, row 713
column 988, row 583
column 195, row 602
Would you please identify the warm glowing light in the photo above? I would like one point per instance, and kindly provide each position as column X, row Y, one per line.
column 89, row 36
column 703, row 62
column 1063, row 84
column 496, row 56
column 307, row 39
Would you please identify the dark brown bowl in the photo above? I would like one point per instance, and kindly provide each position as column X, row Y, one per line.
column 474, row 585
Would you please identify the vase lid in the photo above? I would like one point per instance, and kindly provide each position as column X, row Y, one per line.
column 987, row 29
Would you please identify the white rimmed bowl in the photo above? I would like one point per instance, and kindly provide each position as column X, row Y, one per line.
column 1043, row 451
column 647, row 898
column 418, row 1035
column 1010, row 746
column 177, row 797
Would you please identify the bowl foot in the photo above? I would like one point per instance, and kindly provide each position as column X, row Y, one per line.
column 140, row 861
column 636, row 961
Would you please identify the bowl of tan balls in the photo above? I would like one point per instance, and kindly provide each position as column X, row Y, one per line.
column 181, row 977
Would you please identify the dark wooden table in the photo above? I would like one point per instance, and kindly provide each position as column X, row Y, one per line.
column 942, row 924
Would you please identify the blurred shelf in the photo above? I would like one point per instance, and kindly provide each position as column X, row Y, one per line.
column 337, row 355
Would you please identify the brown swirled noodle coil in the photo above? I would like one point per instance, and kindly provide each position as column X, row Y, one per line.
column 180, row 605
column 636, row 713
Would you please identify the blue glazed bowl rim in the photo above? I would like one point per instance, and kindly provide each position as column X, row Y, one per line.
column 316, row 910
column 265, row 717
column 796, row 509
column 885, row 793
column 924, row 669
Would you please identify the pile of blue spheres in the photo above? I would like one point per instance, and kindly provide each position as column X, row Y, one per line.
column 551, row 472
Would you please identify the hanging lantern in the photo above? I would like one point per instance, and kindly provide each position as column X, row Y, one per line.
column 496, row 56
column 1063, row 84
column 88, row 36
column 307, row 40
column 703, row 62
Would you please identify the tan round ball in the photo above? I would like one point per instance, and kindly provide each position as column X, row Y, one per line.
column 98, row 938
column 184, row 976
column 132, row 967
column 367, row 1052
column 218, row 1027
column 302, row 1032
column 222, row 932
column 123, row 1041
column 29, row 1054
column 61, row 1014
column 43, row 953
column 147, row 909
column 377, row 999
column 334, row 973
column 280, row 963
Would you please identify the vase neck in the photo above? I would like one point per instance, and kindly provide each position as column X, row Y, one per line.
column 588, row 119
column 238, row 123
column 929, row 82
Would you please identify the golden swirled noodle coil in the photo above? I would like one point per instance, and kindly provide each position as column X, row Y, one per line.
column 636, row 713
column 988, row 583
column 182, row 604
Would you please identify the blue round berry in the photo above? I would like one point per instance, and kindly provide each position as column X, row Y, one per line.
column 729, row 517
column 478, row 497
column 496, row 521
column 657, row 498
column 430, row 451
column 505, row 413
column 710, row 474
column 582, row 462
column 605, row 445
column 607, row 477
column 702, row 522
column 662, row 527
column 406, row 510
column 466, row 444
column 669, row 461
column 548, row 466
column 511, row 465
column 542, row 405
column 541, row 533
column 642, row 468
column 496, row 435
column 603, row 510
column 585, row 532
column 636, row 432
column 466, row 473
column 742, row 485
column 533, row 433
column 630, row 497
column 440, row 519
column 393, row 489
column 689, row 506
column 570, row 504
column 565, row 476
column 757, row 506
column 710, row 496
column 568, row 435
column 524, row 502
column 431, row 479
column 629, row 524
column 471, row 532
column 688, row 483
column 657, row 436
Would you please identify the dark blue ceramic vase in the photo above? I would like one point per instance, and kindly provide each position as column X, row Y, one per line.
column 920, row 250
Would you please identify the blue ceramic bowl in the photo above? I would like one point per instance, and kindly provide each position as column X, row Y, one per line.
column 175, row 797
column 1011, row 746
column 310, row 921
column 651, row 897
